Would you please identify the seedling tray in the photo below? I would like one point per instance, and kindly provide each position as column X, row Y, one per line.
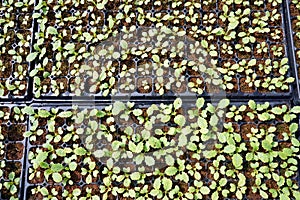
column 66, row 98
column 291, row 20
column 18, row 33
column 80, row 183
column 236, row 93
column 14, row 155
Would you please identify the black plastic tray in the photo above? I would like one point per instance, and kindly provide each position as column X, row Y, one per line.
column 24, row 142
column 67, row 96
column 28, row 90
column 65, row 101
column 68, row 106
column 292, row 49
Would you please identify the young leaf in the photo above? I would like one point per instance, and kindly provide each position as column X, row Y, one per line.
column 242, row 180
column 80, row 151
column 167, row 183
column 295, row 109
column 28, row 110
column 171, row 171
column 252, row 104
column 65, row 114
column 214, row 120
column 43, row 113
column 149, row 160
column 57, row 167
column 31, row 56
column 57, row 177
column 202, row 123
column 223, row 103
column 293, row 128
column 200, row 102
column 156, row 58
column 204, row 190
column 52, row 30
column 137, row 112
column 135, row 176
column 237, row 161
column 69, row 46
column 229, row 149
column 177, row 103
column 180, row 120
column 118, row 107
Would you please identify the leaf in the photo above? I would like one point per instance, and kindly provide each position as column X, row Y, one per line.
column 229, row 149
column 41, row 157
column 132, row 147
column 204, row 44
column 242, row 180
column 215, row 195
column 210, row 154
column 177, row 103
column 57, row 167
column 135, row 176
column 137, row 112
column 205, row 190
column 157, row 183
column 287, row 118
column 237, row 160
column 156, row 58
column 202, row 123
column 167, row 184
column 69, row 46
column 181, row 33
column 28, row 110
column 51, row 126
column 182, row 140
column 264, row 116
column 52, row 30
column 277, row 111
column 80, row 151
column 149, row 161
column 19, row 4
column 239, row 194
column 223, row 103
column 13, row 190
column 27, row 134
column 295, row 142
column 61, row 152
column 263, row 157
column 65, row 114
column 200, row 102
column 293, row 128
column 263, row 194
column 252, row 62
column 214, row 120
column 31, row 56
column 285, row 153
column 124, row 44
column 252, row 104
column 192, row 147
column 57, row 177
column 180, row 120
column 222, row 137
column 295, row 109
column 118, row 107
column 154, row 142
column 43, row 113
column 218, row 31
column 267, row 145
column 100, row 114
column 171, row 171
